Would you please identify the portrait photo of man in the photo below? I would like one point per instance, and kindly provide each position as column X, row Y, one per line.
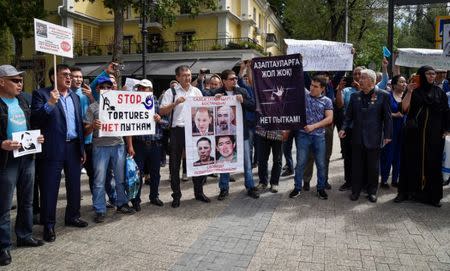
column 204, row 149
column 27, row 142
column 202, row 121
column 225, row 117
column 226, row 149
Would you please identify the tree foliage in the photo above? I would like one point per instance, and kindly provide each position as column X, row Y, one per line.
column 17, row 17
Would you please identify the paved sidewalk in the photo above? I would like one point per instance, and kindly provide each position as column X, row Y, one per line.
column 240, row 233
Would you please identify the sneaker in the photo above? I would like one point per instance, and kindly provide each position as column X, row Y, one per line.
column 125, row 209
column 327, row 186
column 99, row 217
column 261, row 187
column 294, row 193
column 223, row 194
column 274, row 188
column 306, row 186
column 345, row 187
column 384, row 185
column 287, row 172
column 322, row 194
column 253, row 193
column 184, row 177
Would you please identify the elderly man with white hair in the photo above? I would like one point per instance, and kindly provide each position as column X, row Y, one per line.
column 370, row 114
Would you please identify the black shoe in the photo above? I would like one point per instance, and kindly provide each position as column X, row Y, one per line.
column 287, row 172
column 394, row 185
column 202, row 197
column 5, row 257
column 30, row 242
column 327, row 186
column 99, row 218
column 294, row 193
column 253, row 193
column 77, row 222
column 125, row 209
column 400, row 198
column 384, row 185
column 136, row 206
column 157, row 202
column 49, row 235
column 372, row 198
column 345, row 187
column 109, row 205
column 223, row 194
column 232, row 179
column 437, row 204
column 322, row 194
column 306, row 186
column 176, row 203
column 354, row 197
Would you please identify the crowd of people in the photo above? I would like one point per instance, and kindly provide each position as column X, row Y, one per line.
column 383, row 124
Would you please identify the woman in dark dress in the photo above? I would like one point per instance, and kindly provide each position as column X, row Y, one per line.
column 427, row 111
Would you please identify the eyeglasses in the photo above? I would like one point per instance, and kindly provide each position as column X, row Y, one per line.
column 232, row 78
column 66, row 74
column 15, row 80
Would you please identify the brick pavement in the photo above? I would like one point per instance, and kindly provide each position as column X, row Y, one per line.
column 271, row 233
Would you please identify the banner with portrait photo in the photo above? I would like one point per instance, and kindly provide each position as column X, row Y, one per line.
column 280, row 92
column 28, row 141
column 125, row 113
column 213, row 135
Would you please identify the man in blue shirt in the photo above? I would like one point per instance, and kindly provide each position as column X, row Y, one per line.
column 15, row 173
column 319, row 114
column 56, row 111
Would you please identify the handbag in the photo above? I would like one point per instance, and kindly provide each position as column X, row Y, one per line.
column 132, row 178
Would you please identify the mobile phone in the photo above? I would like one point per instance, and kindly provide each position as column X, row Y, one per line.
column 86, row 81
column 348, row 81
column 416, row 79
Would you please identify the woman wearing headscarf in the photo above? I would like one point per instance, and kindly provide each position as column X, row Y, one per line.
column 390, row 154
column 427, row 111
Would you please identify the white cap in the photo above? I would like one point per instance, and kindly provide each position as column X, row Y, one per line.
column 145, row 83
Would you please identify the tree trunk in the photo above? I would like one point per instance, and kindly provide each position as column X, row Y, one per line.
column 17, row 51
column 118, row 36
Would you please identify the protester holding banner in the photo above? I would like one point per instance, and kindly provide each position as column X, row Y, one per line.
column 426, row 107
column 15, row 173
column 173, row 104
column 390, row 154
column 369, row 114
column 319, row 114
column 56, row 111
column 105, row 151
column 225, row 126
column 146, row 150
column 342, row 101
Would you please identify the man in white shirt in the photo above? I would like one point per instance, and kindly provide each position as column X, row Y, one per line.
column 174, row 105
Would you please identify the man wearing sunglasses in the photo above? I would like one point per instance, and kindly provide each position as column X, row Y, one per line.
column 56, row 110
column 14, row 172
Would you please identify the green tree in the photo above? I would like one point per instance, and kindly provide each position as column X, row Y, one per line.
column 17, row 16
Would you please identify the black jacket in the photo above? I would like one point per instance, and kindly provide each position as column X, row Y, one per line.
column 371, row 118
column 248, row 104
column 5, row 155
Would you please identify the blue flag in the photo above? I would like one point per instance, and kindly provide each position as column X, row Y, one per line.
column 386, row 52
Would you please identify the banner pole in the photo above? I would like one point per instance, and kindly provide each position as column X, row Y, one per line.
column 55, row 72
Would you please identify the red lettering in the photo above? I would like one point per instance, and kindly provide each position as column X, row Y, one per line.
column 119, row 98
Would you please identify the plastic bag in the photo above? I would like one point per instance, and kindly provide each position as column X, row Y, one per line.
column 132, row 179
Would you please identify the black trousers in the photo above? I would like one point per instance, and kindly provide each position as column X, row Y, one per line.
column 347, row 152
column 265, row 146
column 366, row 167
column 177, row 146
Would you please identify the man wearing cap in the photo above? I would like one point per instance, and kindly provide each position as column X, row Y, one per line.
column 56, row 111
column 109, row 150
column 146, row 150
column 14, row 172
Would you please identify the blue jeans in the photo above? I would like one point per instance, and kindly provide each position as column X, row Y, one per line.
column 102, row 156
column 305, row 143
column 224, row 180
column 18, row 172
column 287, row 150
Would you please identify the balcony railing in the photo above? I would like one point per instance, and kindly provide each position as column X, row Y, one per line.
column 171, row 46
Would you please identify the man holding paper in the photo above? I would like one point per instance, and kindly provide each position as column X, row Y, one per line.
column 14, row 172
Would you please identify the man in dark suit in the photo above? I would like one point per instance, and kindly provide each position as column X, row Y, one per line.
column 370, row 113
column 57, row 112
